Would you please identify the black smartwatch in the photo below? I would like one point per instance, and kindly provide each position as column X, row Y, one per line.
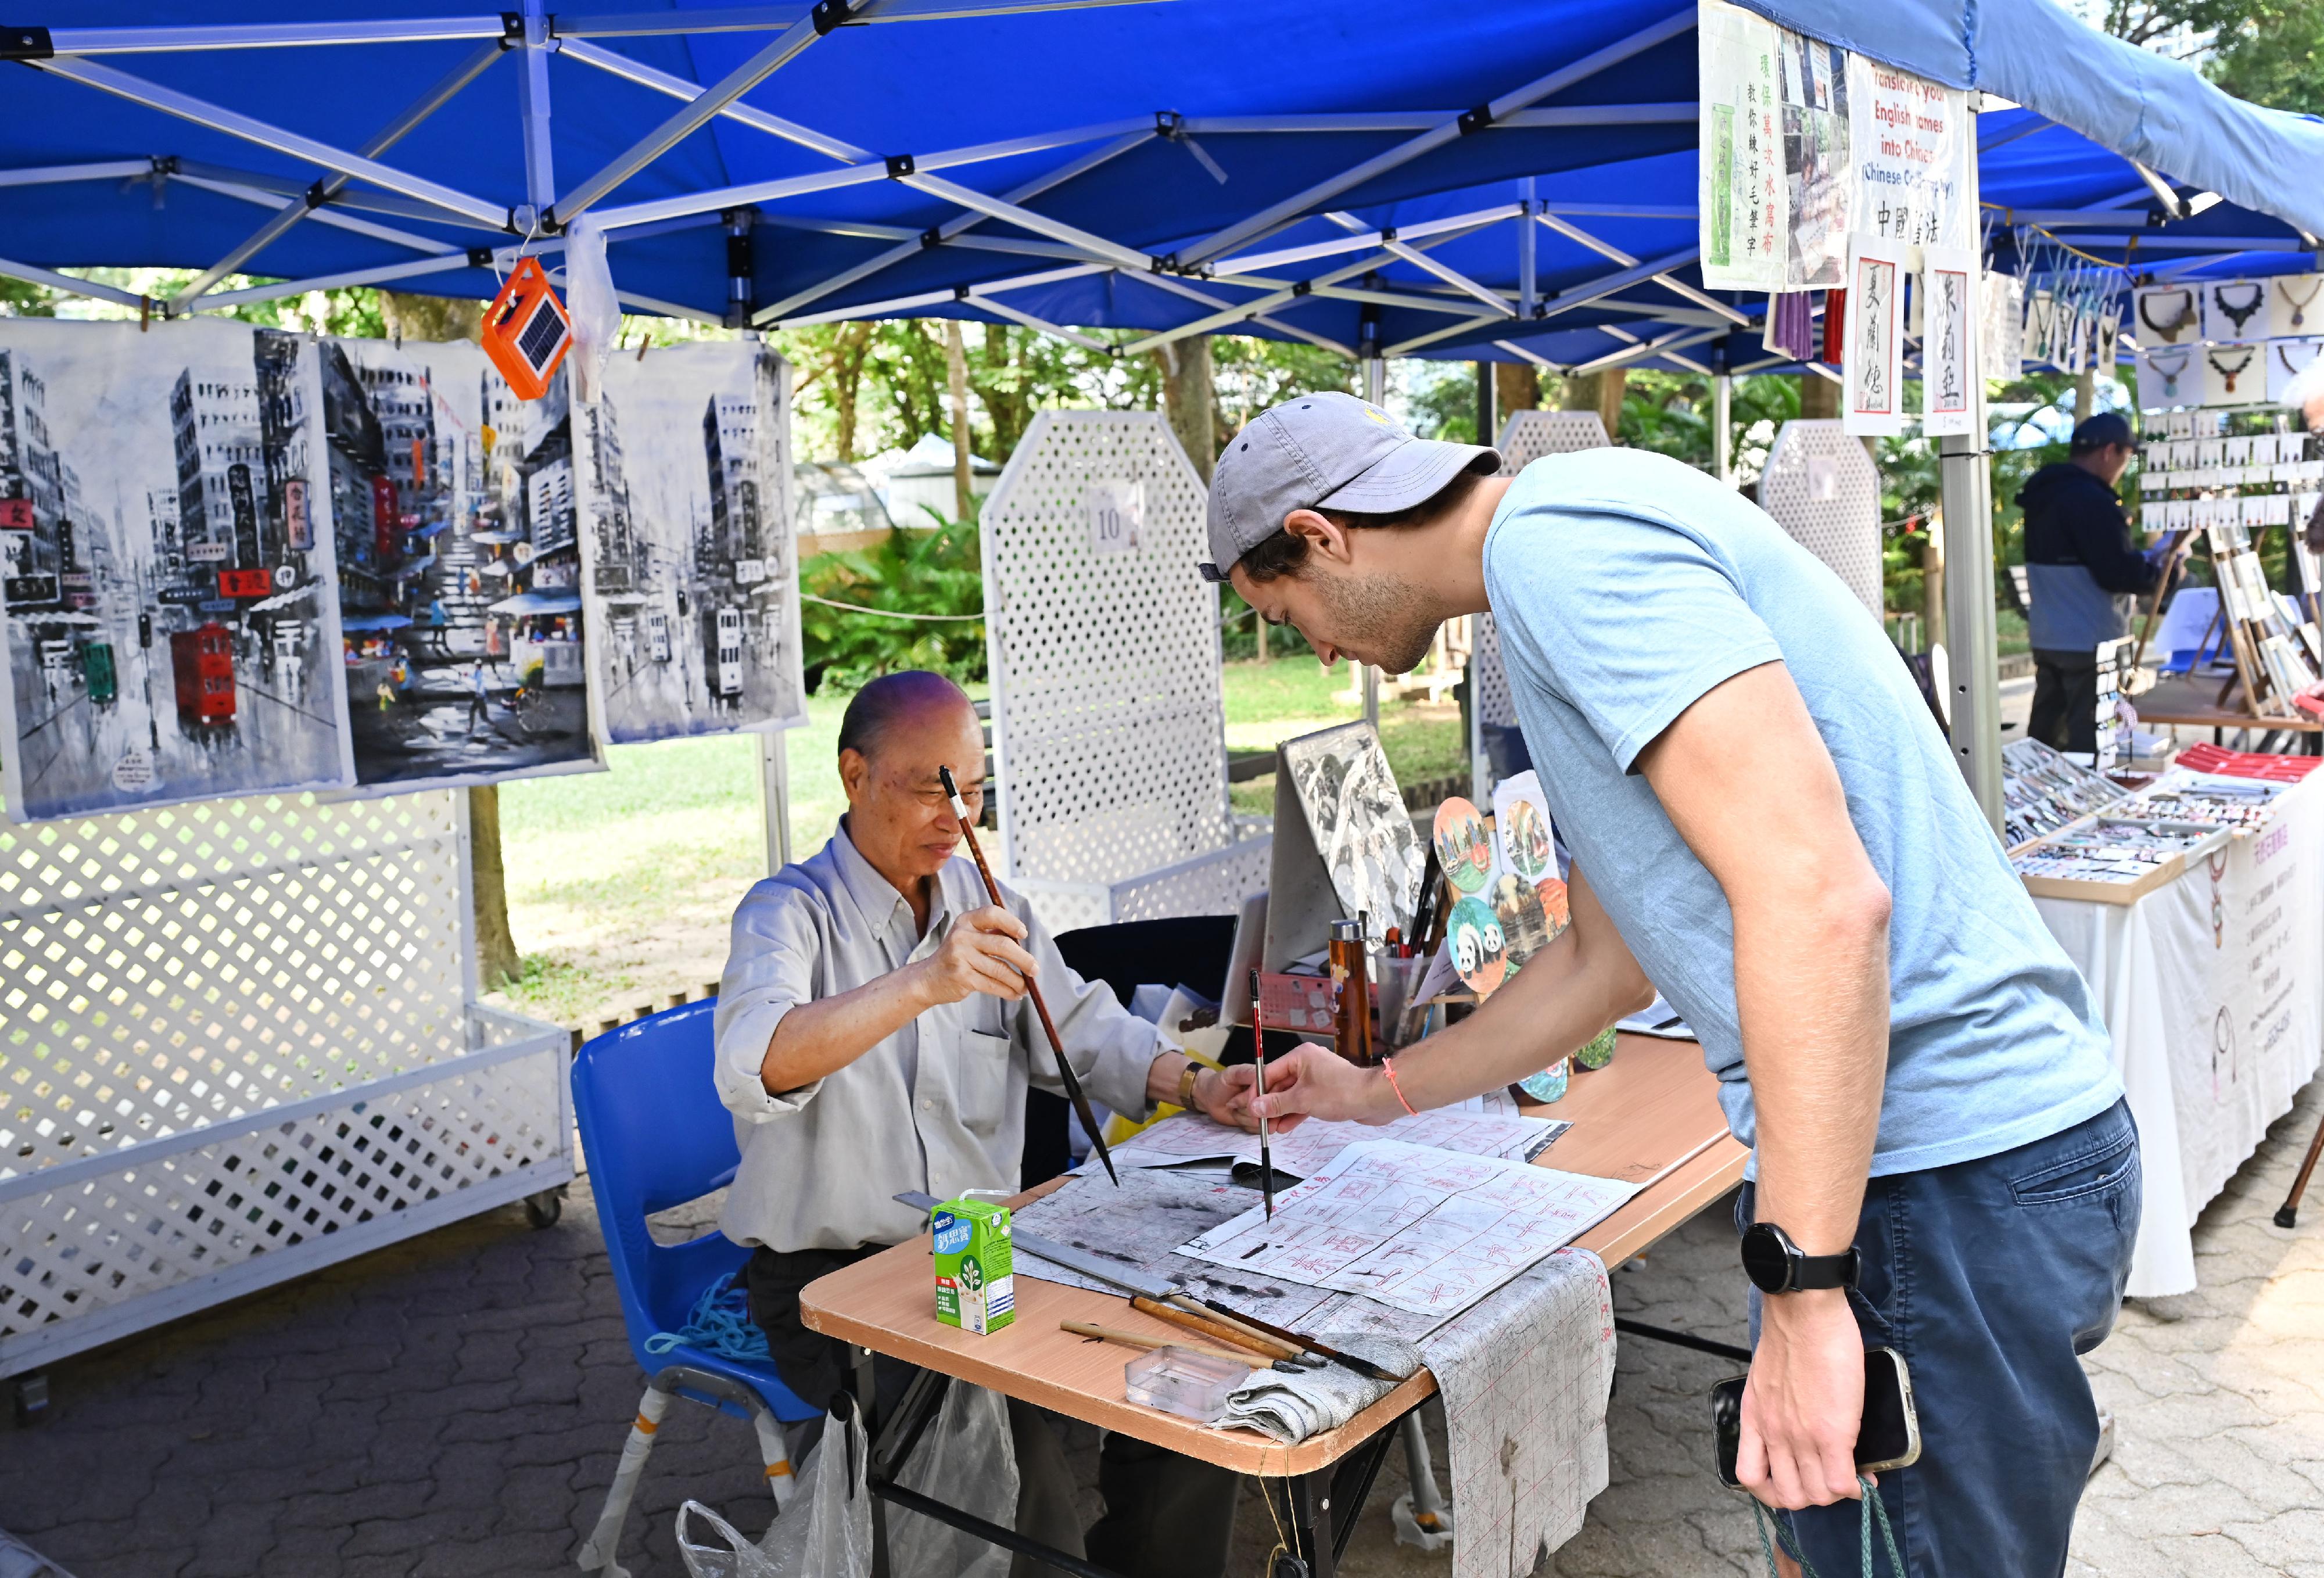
column 1776, row 1265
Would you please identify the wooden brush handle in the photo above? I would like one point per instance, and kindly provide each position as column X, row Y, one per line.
column 1217, row 1331
column 1138, row 1340
column 1250, row 1333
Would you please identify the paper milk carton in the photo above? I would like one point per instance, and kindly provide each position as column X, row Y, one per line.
column 976, row 1283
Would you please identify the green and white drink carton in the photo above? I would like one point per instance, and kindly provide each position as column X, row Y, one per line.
column 976, row 1282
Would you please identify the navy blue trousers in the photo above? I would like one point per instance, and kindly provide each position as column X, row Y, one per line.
column 1992, row 1278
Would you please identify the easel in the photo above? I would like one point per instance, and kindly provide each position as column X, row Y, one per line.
column 2270, row 664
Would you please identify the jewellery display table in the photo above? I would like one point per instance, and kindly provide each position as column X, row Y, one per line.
column 2212, row 989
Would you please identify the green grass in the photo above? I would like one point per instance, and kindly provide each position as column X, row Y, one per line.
column 622, row 884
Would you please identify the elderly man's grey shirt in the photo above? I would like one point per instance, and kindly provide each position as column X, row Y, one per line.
column 938, row 1106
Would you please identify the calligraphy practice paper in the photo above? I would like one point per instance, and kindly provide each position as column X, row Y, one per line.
column 1316, row 1143
column 1419, row 1229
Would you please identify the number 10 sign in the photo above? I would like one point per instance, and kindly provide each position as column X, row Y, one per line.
column 1117, row 513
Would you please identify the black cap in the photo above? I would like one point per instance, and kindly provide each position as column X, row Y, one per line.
column 2103, row 429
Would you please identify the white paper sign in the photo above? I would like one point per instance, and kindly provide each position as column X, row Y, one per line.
column 1117, row 514
column 2165, row 315
column 2286, row 360
column 1908, row 137
column 2169, row 376
column 2292, row 307
column 1742, row 196
column 2234, row 374
column 2001, row 338
column 2234, row 310
column 1872, row 353
column 1949, row 371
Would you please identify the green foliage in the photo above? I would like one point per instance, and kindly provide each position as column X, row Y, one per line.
column 2267, row 51
column 909, row 572
column 19, row 299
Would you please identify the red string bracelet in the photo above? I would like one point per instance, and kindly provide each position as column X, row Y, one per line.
column 1388, row 1067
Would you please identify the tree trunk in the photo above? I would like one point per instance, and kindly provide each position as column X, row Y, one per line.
column 1190, row 400
column 2086, row 395
column 496, row 955
column 848, row 349
column 431, row 318
column 1601, row 393
column 442, row 317
column 1517, row 386
column 957, row 374
column 1818, row 397
column 1612, row 385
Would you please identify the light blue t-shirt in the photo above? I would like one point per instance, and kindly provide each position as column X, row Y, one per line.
column 1626, row 585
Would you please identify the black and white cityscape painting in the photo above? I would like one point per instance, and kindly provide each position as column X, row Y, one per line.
column 693, row 577
column 170, row 602
column 1357, row 819
column 459, row 558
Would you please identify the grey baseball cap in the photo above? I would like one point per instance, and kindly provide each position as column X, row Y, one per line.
column 1321, row 451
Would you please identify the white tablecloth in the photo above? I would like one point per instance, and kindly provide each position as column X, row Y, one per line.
column 2212, row 987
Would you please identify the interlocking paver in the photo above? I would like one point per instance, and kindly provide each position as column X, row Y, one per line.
column 455, row 1404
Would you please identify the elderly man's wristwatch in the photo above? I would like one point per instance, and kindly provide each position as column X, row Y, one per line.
column 1187, row 1075
column 1776, row 1265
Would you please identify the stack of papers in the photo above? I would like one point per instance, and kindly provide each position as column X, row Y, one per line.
column 1310, row 1148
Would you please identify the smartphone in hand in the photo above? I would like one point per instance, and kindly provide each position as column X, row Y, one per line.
column 1888, row 1437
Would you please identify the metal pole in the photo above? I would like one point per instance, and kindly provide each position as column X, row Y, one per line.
column 1722, row 416
column 1965, row 484
column 1529, row 283
column 1375, row 391
column 775, row 800
column 532, row 103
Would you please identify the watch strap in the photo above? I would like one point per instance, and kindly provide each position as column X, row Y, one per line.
column 1187, row 1075
column 1811, row 1272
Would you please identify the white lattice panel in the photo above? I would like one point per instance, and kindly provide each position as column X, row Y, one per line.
column 1206, row 884
column 1108, row 716
column 236, row 1029
column 1528, row 435
column 1209, row 884
column 1822, row 489
column 1526, row 438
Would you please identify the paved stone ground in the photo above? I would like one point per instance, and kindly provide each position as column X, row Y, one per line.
column 454, row 1405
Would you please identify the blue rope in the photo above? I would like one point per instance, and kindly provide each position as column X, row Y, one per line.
column 720, row 1323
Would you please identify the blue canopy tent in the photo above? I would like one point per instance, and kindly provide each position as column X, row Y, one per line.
column 765, row 164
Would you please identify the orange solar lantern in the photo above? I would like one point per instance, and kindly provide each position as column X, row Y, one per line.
column 527, row 331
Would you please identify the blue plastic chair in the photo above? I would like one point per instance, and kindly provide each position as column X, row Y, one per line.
column 655, row 1136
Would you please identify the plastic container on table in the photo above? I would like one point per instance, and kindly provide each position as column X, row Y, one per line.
column 1181, row 1381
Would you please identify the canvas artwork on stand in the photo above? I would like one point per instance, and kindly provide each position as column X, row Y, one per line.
column 171, row 609
column 460, row 559
column 693, row 589
column 1355, row 817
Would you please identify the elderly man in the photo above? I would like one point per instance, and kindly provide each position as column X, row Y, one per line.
column 874, row 1034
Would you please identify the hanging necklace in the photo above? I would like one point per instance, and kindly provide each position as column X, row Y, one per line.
column 2299, row 304
column 2284, row 354
column 2228, row 374
column 2169, row 375
column 2169, row 331
column 2239, row 316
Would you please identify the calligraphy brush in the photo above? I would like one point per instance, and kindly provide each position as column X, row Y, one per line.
column 1033, row 988
column 1258, row 1048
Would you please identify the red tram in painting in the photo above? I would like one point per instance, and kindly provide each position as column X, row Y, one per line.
column 203, row 661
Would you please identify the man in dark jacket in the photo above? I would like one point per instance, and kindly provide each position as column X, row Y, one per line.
column 2082, row 572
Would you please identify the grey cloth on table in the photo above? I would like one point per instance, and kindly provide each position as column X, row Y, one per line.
column 939, row 1105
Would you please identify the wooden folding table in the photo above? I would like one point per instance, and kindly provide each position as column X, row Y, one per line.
column 1651, row 1116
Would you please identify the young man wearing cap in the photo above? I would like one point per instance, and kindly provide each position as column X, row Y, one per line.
column 1765, row 823
column 2081, row 573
